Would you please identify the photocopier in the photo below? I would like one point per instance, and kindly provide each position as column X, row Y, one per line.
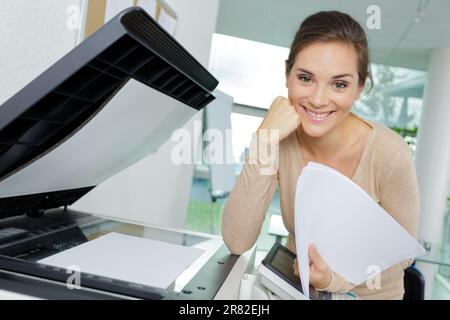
column 108, row 103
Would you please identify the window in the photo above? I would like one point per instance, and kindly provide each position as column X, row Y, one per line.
column 251, row 72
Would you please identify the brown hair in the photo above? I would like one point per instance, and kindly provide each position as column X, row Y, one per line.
column 327, row 26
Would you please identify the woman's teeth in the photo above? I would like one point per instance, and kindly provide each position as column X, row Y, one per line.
column 318, row 116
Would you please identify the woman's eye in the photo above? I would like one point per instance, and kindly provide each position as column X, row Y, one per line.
column 340, row 85
column 304, row 79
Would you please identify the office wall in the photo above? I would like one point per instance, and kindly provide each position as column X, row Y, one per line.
column 154, row 190
column 34, row 35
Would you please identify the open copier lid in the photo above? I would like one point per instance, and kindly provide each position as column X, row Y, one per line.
column 108, row 103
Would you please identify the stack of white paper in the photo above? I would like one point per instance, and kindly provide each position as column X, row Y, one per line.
column 352, row 233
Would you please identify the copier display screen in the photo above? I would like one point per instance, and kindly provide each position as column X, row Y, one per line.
column 283, row 262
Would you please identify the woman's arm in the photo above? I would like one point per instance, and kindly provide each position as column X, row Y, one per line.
column 246, row 207
column 250, row 198
column 399, row 194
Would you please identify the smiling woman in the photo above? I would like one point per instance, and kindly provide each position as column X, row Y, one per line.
column 326, row 72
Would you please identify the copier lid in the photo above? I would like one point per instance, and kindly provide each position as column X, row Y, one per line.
column 108, row 103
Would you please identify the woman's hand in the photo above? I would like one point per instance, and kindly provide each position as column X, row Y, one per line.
column 319, row 272
column 282, row 117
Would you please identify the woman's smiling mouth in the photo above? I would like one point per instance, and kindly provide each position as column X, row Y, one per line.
column 317, row 117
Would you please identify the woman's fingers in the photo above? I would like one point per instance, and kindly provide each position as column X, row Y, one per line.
column 316, row 259
column 295, row 267
column 281, row 117
column 320, row 273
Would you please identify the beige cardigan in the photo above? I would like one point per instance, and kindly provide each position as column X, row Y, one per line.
column 385, row 171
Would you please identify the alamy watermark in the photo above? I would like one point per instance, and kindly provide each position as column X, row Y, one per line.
column 374, row 19
column 263, row 148
column 73, row 21
column 374, row 280
column 73, row 282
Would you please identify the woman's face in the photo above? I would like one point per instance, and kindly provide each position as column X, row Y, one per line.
column 323, row 84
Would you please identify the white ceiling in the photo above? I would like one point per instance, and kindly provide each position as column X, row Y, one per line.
column 399, row 42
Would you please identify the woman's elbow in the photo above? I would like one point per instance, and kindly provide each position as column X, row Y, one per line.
column 235, row 245
column 237, row 249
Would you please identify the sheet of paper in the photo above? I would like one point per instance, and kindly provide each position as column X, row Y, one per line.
column 113, row 7
column 150, row 6
column 353, row 234
column 133, row 259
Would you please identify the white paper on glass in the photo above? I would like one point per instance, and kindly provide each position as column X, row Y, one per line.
column 352, row 232
column 144, row 261
column 113, row 7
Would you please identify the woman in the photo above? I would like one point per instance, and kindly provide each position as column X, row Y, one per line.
column 326, row 72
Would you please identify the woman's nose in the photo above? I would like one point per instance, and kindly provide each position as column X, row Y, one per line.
column 319, row 97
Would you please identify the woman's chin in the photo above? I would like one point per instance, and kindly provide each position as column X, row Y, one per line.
column 314, row 131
